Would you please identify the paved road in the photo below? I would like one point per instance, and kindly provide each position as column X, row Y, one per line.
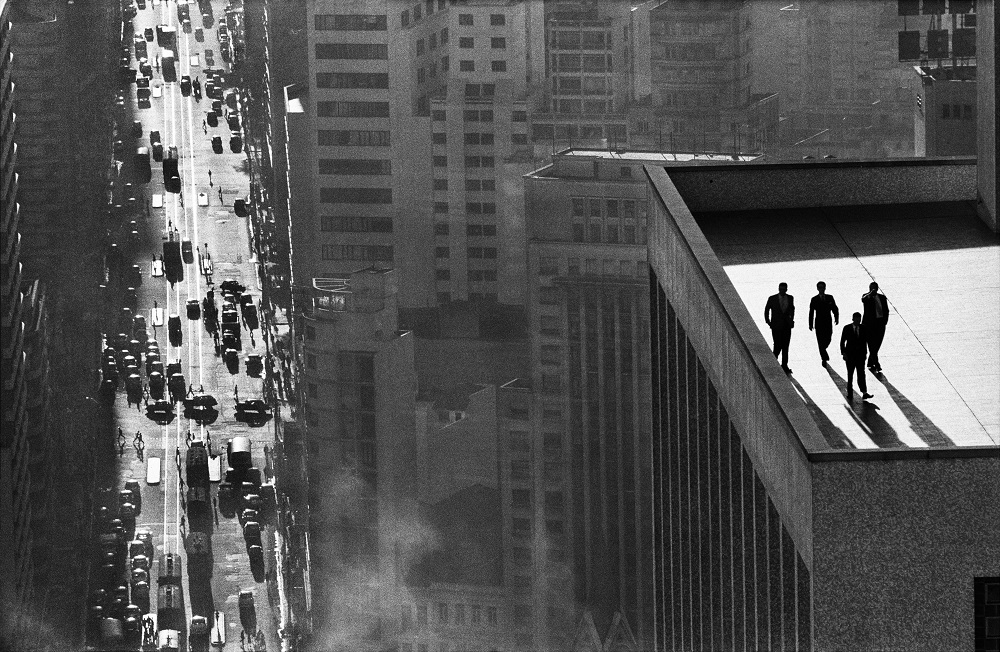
column 216, row 228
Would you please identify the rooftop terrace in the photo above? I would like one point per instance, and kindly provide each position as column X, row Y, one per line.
column 939, row 268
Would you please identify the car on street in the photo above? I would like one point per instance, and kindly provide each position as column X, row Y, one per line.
column 157, row 91
column 174, row 328
column 251, row 533
column 148, row 33
column 240, row 207
column 136, row 129
column 158, row 156
column 193, row 309
column 187, row 252
column 199, row 35
column 202, row 199
column 213, row 121
column 185, row 85
column 217, row 141
column 147, row 540
column 236, row 143
column 248, row 611
column 233, row 119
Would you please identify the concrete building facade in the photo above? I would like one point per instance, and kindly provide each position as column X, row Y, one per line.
column 944, row 118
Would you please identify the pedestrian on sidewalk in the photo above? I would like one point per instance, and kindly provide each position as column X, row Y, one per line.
column 220, row 193
column 204, row 126
column 209, row 177
column 121, row 448
column 177, row 457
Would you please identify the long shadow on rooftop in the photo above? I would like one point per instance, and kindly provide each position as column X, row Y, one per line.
column 834, row 436
column 920, row 422
column 866, row 414
column 752, row 237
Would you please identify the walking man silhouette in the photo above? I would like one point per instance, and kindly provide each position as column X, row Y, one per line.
column 779, row 314
column 823, row 314
column 875, row 319
column 853, row 346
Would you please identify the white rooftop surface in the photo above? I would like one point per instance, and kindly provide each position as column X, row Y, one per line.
column 941, row 355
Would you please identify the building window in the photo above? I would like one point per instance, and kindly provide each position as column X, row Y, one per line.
column 439, row 116
column 355, row 195
column 440, row 228
column 498, row 20
column 475, row 614
column 416, row 12
column 352, row 109
column 420, row 46
column 439, row 138
column 440, row 207
column 466, row 42
column 945, row 110
column 548, row 266
column 522, row 615
column 313, row 390
column 343, row 224
column 353, row 138
column 444, row 35
column 405, row 616
column 363, row 253
column 498, row 43
column 443, row 612
column 442, row 274
column 521, row 498
column 459, row 614
column 440, row 184
column 310, row 361
column 491, row 616
column 421, row 614
column 521, row 527
column 465, row 19
column 440, row 161
column 352, row 80
column 355, row 166
column 443, row 297
column 352, row 51
column 499, row 66
column 404, row 17
column 432, row 41
column 442, row 252
column 519, row 139
column 519, row 116
column 467, row 65
column 350, row 22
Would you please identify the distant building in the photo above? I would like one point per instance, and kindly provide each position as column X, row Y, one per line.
column 358, row 389
column 944, row 115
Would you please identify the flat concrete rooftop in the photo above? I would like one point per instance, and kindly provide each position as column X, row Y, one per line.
column 939, row 268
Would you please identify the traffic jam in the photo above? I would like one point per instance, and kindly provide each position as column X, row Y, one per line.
column 184, row 541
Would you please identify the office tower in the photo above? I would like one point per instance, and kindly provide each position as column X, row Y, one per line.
column 586, row 493
column 987, row 55
column 418, row 165
column 790, row 512
column 358, row 392
column 15, row 486
column 944, row 113
column 703, row 91
column 40, row 54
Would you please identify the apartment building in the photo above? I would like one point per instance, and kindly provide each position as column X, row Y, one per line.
column 358, row 397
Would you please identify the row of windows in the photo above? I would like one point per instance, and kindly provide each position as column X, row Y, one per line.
column 486, row 115
column 588, row 267
column 472, row 115
column 469, row 42
column 352, row 109
column 449, row 614
column 474, row 275
column 521, row 499
column 351, row 22
column 577, row 62
column 442, row 228
column 352, row 51
column 581, row 40
column 471, row 185
column 352, row 80
column 471, row 252
column 609, row 233
column 581, row 86
column 357, row 166
column 612, row 209
column 339, row 224
column 355, row 195
column 586, row 107
column 404, row 17
column 480, row 90
column 364, row 253
column 522, row 526
column 954, row 111
column 496, row 20
column 353, row 138
column 472, row 208
column 468, row 65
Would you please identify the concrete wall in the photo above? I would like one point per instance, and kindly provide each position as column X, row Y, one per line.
column 986, row 60
column 774, row 425
column 896, row 547
column 842, row 183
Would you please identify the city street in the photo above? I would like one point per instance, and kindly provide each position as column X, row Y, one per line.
column 202, row 214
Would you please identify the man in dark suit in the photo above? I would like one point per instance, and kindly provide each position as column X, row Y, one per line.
column 875, row 318
column 853, row 346
column 779, row 314
column 824, row 308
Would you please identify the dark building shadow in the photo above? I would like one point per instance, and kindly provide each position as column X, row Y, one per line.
column 834, row 436
column 866, row 413
column 920, row 422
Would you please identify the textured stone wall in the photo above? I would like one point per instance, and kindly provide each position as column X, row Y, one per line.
column 896, row 547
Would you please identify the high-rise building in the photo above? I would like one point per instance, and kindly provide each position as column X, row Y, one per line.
column 789, row 512
column 358, row 390
column 15, row 486
column 944, row 111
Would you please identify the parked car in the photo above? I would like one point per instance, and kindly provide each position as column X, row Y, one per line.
column 185, row 85
column 248, row 611
column 217, row 140
column 213, row 121
column 174, row 329
column 202, row 199
column 148, row 33
column 236, row 143
column 239, row 204
column 193, row 309
column 187, row 252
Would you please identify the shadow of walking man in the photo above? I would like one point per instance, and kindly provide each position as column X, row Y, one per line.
column 866, row 414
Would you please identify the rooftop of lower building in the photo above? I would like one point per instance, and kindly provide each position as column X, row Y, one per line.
column 939, row 268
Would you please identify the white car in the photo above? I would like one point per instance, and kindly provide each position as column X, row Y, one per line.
column 158, row 91
column 202, row 199
column 195, row 60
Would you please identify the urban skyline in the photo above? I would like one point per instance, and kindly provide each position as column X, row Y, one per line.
column 464, row 316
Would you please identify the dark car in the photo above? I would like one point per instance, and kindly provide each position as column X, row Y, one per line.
column 136, row 129
column 240, row 207
column 248, row 611
column 234, row 120
column 193, row 309
column 213, row 119
column 148, row 33
column 217, row 143
column 187, row 252
column 185, row 85
column 174, row 329
column 236, row 143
